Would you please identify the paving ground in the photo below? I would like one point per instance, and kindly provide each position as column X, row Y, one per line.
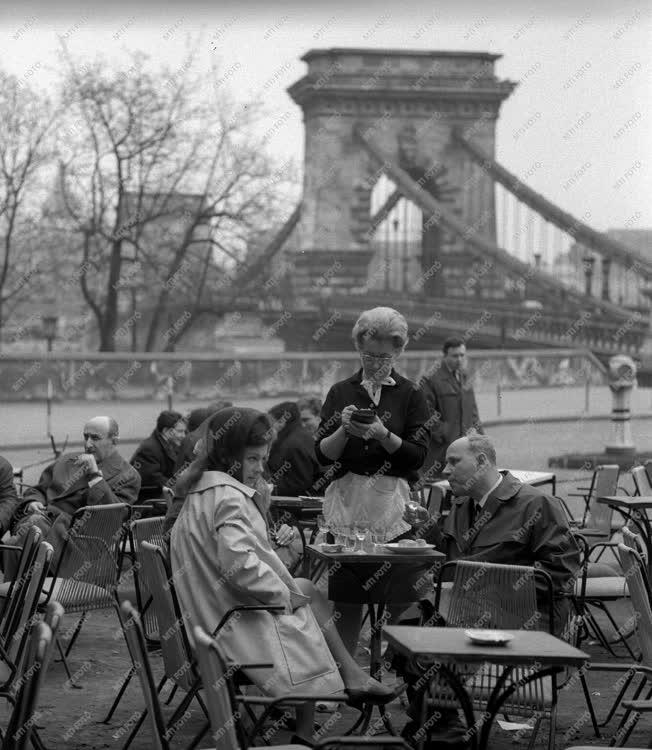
column 71, row 718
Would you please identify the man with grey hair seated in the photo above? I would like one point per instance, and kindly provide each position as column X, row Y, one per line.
column 98, row 476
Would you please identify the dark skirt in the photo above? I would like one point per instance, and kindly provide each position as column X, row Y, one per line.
column 393, row 584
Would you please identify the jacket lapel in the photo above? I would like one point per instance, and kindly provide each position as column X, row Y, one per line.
column 467, row 534
column 111, row 465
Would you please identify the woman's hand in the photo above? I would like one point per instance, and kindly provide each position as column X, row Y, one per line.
column 375, row 430
column 285, row 535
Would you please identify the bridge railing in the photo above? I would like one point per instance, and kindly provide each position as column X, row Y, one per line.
column 509, row 324
column 199, row 376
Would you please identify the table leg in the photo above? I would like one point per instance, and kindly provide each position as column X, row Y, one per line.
column 456, row 685
column 500, row 694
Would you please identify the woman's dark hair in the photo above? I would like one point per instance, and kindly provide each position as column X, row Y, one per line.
column 228, row 433
column 197, row 416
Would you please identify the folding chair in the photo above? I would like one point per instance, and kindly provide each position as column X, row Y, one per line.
column 488, row 595
column 594, row 518
column 641, row 596
column 141, row 530
column 223, row 701
column 598, row 592
column 179, row 664
column 20, row 733
column 15, row 639
column 87, row 573
column 10, row 589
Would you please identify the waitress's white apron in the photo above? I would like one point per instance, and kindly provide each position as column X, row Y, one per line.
column 377, row 502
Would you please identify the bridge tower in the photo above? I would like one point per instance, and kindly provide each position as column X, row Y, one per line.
column 407, row 103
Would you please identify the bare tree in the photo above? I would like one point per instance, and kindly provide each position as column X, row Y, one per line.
column 162, row 185
column 26, row 122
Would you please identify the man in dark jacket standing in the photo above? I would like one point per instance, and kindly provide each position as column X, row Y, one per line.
column 156, row 456
column 452, row 409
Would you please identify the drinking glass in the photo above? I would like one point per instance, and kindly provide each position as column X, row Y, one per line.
column 349, row 543
column 323, row 529
column 360, row 532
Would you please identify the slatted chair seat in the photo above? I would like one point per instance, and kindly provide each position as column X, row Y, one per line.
column 53, row 587
column 87, row 573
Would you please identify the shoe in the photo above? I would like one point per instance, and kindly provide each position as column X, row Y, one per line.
column 358, row 697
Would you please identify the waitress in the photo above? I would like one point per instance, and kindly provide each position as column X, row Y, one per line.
column 374, row 462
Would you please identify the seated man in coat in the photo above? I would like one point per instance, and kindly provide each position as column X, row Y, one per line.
column 497, row 519
column 8, row 495
column 156, row 457
column 98, row 476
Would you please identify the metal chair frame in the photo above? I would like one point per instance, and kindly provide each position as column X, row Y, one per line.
column 223, row 699
column 10, row 590
column 141, row 530
column 603, row 482
column 20, row 733
column 486, row 595
column 87, row 573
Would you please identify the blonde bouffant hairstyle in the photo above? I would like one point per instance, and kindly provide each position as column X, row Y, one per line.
column 381, row 323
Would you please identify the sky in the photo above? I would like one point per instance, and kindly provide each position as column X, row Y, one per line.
column 578, row 124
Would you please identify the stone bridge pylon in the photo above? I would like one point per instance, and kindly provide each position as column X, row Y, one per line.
column 408, row 103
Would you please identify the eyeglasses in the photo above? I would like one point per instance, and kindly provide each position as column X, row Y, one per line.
column 377, row 357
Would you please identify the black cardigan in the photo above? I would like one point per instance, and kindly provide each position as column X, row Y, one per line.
column 402, row 409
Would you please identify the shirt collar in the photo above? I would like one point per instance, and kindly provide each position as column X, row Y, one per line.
column 374, row 389
column 481, row 502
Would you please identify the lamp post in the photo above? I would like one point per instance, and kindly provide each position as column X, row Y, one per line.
column 50, row 320
column 588, row 263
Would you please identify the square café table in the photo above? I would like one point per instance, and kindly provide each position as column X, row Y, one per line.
column 392, row 564
column 542, row 651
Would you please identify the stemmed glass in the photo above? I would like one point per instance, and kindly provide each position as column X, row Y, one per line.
column 360, row 530
column 323, row 529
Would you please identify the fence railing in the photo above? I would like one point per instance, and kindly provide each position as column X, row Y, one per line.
column 123, row 376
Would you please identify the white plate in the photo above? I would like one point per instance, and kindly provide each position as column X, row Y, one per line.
column 411, row 550
column 489, row 637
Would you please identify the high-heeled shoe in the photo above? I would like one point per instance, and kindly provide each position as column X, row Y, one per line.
column 360, row 696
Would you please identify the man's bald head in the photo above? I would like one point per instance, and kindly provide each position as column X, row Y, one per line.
column 471, row 465
column 100, row 437
column 107, row 424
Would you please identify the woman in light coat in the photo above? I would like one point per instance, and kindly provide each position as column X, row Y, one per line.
column 222, row 557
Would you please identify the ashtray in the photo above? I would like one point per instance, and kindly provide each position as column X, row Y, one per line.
column 332, row 547
column 488, row 637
